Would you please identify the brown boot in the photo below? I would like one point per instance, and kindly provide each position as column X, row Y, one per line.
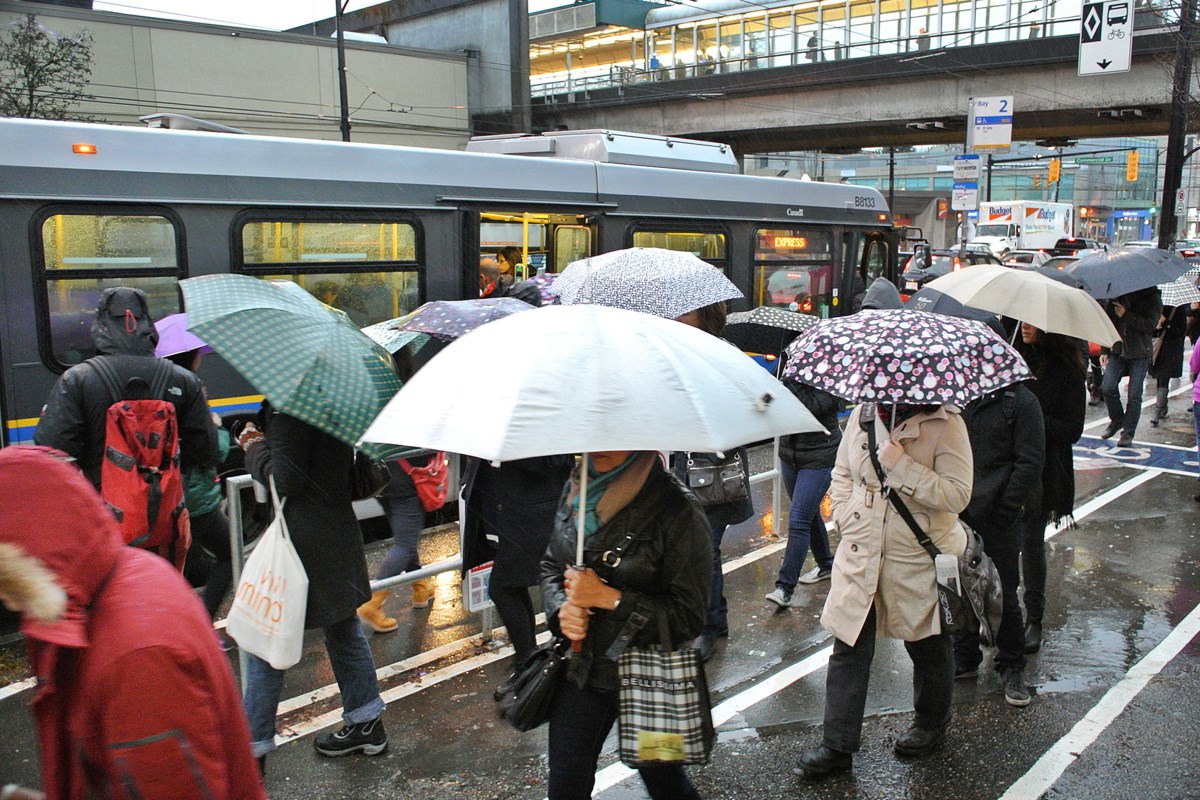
column 371, row 613
column 422, row 593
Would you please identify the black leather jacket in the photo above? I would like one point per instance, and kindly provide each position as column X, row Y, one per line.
column 666, row 569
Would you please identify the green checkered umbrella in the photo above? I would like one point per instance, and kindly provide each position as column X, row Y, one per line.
column 308, row 359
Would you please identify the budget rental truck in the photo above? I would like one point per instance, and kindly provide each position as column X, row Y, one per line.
column 1022, row 225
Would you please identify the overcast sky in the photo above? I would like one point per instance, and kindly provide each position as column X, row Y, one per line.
column 273, row 14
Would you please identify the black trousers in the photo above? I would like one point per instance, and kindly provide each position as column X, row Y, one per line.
column 515, row 607
column 850, row 671
column 579, row 723
column 1003, row 545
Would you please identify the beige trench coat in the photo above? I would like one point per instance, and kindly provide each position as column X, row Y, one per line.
column 879, row 561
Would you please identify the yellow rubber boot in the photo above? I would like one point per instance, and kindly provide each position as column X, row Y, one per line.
column 371, row 613
column 422, row 593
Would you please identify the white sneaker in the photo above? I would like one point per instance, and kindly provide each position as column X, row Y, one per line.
column 780, row 598
column 815, row 575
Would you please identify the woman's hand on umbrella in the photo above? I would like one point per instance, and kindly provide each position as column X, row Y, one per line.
column 890, row 453
column 573, row 621
column 586, row 590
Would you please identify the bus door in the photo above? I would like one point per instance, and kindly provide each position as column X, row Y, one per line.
column 797, row 269
column 547, row 240
column 866, row 255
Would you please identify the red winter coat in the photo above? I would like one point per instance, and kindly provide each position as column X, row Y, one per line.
column 134, row 697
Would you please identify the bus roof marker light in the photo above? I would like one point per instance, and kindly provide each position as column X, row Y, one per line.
column 84, row 149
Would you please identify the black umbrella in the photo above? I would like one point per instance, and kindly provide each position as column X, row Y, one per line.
column 1070, row 279
column 1126, row 270
column 765, row 329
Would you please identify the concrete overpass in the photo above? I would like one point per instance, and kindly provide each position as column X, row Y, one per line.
column 870, row 102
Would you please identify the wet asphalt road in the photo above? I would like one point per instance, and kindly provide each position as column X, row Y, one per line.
column 1117, row 694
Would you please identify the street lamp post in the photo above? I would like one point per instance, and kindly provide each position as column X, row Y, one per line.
column 1177, row 130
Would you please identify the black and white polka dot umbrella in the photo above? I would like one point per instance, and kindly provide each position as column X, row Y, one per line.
column 665, row 283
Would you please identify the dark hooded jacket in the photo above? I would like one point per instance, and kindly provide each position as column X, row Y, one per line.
column 814, row 450
column 73, row 418
column 882, row 293
column 134, row 698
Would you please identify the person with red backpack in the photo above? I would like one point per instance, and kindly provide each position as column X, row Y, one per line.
column 133, row 422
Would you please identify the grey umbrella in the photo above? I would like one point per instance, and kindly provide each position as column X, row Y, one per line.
column 1126, row 270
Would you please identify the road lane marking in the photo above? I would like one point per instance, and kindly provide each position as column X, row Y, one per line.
column 1051, row 766
column 18, row 687
column 1100, row 501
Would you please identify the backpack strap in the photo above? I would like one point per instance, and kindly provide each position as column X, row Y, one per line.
column 108, row 376
column 895, row 500
column 163, row 370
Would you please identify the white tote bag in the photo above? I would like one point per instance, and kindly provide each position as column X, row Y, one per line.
column 267, row 617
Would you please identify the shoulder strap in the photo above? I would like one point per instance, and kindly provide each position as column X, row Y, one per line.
column 896, row 502
column 108, row 376
column 162, row 377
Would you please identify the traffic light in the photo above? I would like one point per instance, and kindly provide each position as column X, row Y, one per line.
column 1037, row 180
column 1131, row 166
column 1055, row 167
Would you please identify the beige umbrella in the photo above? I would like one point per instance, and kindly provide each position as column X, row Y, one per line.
column 1043, row 302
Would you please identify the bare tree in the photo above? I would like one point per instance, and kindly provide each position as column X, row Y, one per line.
column 42, row 73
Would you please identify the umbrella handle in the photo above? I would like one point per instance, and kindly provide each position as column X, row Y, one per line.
column 577, row 647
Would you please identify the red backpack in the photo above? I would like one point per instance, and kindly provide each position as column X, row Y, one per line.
column 140, row 478
column 430, row 480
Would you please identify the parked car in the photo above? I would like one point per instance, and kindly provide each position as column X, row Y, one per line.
column 916, row 273
column 1026, row 258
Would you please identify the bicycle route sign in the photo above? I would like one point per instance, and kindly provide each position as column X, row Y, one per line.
column 1106, row 37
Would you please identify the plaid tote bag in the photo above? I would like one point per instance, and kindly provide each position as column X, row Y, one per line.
column 664, row 712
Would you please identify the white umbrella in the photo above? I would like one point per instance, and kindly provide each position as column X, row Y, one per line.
column 595, row 378
column 577, row 379
column 1030, row 297
column 666, row 283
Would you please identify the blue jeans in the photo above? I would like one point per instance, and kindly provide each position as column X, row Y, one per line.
column 1118, row 367
column 1196, row 417
column 807, row 488
column 580, row 720
column 716, row 623
column 353, row 667
column 407, row 519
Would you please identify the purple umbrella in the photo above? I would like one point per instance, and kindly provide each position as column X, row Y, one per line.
column 174, row 337
column 903, row 356
column 450, row 319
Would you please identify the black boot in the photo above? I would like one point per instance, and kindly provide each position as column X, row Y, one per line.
column 821, row 761
column 917, row 742
column 1033, row 637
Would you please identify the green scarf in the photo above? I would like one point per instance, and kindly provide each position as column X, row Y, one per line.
column 598, row 483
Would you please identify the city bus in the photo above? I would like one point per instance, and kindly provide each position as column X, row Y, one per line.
column 377, row 230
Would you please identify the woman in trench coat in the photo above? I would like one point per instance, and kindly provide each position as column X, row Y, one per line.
column 883, row 580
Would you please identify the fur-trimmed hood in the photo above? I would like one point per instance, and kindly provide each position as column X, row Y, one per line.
column 56, row 538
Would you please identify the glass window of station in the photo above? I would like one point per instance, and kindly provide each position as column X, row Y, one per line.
column 794, row 269
column 677, row 45
column 84, row 252
column 368, row 268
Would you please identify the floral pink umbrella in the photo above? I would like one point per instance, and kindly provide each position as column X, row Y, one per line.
column 904, row 356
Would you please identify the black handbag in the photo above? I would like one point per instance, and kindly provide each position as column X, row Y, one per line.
column 368, row 477
column 537, row 680
column 715, row 481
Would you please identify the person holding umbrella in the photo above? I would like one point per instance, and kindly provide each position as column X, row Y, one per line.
column 635, row 506
column 1135, row 316
column 904, row 445
column 1167, row 356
